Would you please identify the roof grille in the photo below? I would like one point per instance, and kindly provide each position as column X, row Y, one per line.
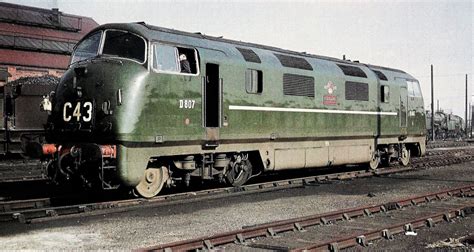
column 298, row 85
column 249, row 55
column 294, row 62
column 380, row 75
column 352, row 71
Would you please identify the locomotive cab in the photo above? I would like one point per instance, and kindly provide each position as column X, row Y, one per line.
column 102, row 66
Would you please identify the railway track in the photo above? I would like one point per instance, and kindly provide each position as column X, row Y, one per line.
column 339, row 229
column 15, row 205
column 446, row 144
column 33, row 210
column 14, row 170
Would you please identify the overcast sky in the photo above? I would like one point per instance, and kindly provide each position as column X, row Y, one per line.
column 409, row 35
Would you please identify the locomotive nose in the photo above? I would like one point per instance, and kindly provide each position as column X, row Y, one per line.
column 77, row 104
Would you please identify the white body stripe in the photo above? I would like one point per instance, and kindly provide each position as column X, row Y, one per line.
column 302, row 110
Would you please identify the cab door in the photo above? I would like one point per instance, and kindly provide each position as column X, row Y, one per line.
column 212, row 105
column 403, row 108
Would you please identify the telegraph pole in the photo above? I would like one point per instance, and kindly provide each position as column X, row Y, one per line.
column 466, row 109
column 432, row 107
column 472, row 118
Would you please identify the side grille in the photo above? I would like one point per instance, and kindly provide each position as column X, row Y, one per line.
column 357, row 91
column 298, row 85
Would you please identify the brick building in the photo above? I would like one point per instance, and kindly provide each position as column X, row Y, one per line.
column 36, row 42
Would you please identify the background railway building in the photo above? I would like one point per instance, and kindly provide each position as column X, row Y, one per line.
column 36, row 42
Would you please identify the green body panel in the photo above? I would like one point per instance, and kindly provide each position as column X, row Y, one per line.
column 150, row 115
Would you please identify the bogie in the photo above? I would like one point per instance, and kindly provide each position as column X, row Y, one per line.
column 232, row 168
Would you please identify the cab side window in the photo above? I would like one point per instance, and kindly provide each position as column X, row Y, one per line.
column 253, row 81
column 172, row 59
column 166, row 58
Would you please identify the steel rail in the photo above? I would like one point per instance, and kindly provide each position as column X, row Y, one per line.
column 438, row 144
column 8, row 206
column 239, row 236
column 363, row 238
column 55, row 212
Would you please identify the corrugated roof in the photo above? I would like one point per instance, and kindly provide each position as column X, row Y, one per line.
column 26, row 15
column 34, row 31
column 45, row 33
column 33, row 59
column 45, row 44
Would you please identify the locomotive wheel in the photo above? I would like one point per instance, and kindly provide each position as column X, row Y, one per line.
column 404, row 158
column 374, row 160
column 152, row 182
column 239, row 173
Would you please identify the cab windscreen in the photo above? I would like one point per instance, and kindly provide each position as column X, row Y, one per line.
column 124, row 45
column 88, row 48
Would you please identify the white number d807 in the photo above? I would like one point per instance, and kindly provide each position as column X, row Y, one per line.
column 76, row 112
column 187, row 104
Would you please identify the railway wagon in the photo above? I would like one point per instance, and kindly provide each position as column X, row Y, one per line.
column 145, row 107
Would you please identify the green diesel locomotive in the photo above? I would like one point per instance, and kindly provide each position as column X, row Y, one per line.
column 146, row 107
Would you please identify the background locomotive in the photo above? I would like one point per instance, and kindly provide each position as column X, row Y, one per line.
column 35, row 49
column 447, row 126
column 143, row 107
column 22, row 124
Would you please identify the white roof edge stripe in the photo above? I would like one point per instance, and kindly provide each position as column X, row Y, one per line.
column 303, row 110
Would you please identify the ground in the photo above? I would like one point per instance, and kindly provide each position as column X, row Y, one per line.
column 155, row 225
